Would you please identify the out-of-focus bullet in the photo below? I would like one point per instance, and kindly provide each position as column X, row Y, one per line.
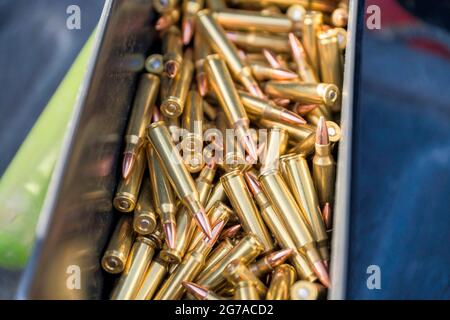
column 296, row 132
column 321, row 93
column 272, row 59
column 177, row 173
column 153, row 278
column 128, row 189
column 242, row 202
column 222, row 84
column 172, row 46
column 173, row 105
column 119, row 246
column 201, row 51
column 144, row 221
column 312, row 24
column 246, row 290
column 258, row 41
column 327, row 216
column 219, row 42
column 269, row 262
column 192, row 143
column 190, row 267
column 263, row 73
column 167, row 20
column 201, row 293
column 276, row 144
column 282, row 280
column 138, row 261
column 305, row 290
column 279, row 230
column 258, row 108
column 190, row 9
column 154, row 64
column 339, row 17
column 296, row 13
column 296, row 173
column 324, row 166
column 304, row 69
column 141, row 113
column 247, row 249
column 237, row 271
column 230, row 232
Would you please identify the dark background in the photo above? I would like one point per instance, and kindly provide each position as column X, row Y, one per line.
column 400, row 217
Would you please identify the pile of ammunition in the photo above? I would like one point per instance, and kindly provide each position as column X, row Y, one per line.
column 230, row 173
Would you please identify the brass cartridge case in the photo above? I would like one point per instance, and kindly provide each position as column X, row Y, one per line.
column 144, row 221
column 237, row 271
column 339, row 17
column 217, row 194
column 220, row 251
column 304, row 69
column 247, row 249
column 186, row 227
column 324, row 173
column 305, row 290
column 242, row 202
column 164, row 5
column 331, row 68
column 296, row 173
column 209, row 111
column 263, row 72
column 269, row 262
column 201, row 51
column 296, row 132
column 128, row 189
column 138, row 261
column 173, row 105
column 154, row 276
column 282, row 199
column 172, row 47
column 319, row 5
column 305, row 147
column 276, row 144
column 218, row 41
column 175, row 170
column 312, row 23
column 167, row 20
column 173, row 124
column 246, row 290
column 308, row 93
column 154, row 64
column 257, row 41
column 192, row 143
column 282, row 280
column 119, row 246
column 321, row 111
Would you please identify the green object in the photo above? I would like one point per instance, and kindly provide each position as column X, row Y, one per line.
column 24, row 184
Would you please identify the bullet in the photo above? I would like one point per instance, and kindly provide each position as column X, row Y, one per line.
column 316, row 93
column 305, row 290
column 154, row 276
column 321, row 111
column 272, row 59
column 246, row 290
column 284, row 203
column 186, row 227
column 201, row 51
column 192, row 143
column 331, row 68
column 217, row 194
column 247, row 249
column 276, row 142
column 327, row 216
column 257, row 41
column 173, row 124
column 154, row 64
column 163, row 196
column 296, row 13
column 296, row 173
column 269, row 262
column 144, row 221
column 163, row 6
column 167, row 20
column 164, row 88
column 339, row 17
column 201, row 293
column 220, row 251
column 237, row 271
column 119, row 246
column 304, row 69
column 279, row 230
column 324, row 166
column 139, row 119
column 174, row 168
column 173, row 105
column 172, row 46
column 282, row 280
column 217, row 39
column 312, row 24
column 242, row 202
column 319, row 5
column 296, row 132
column 230, row 232
column 128, row 189
column 222, row 84
column 190, row 9
column 305, row 147
column 246, row 20
column 263, row 73
column 190, row 267
column 137, row 263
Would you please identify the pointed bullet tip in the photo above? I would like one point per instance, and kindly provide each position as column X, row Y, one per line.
column 279, row 257
column 322, row 273
column 252, row 182
column 170, row 233
column 249, row 146
column 292, row 117
column 187, row 32
column 197, row 291
column 230, row 232
column 322, row 132
column 271, row 58
column 202, row 221
column 128, row 162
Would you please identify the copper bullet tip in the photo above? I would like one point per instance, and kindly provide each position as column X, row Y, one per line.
column 202, row 84
column 249, row 146
column 281, row 74
column 156, row 116
column 128, row 162
column 322, row 132
column 256, row 91
column 291, row 117
column 232, row 37
column 172, row 69
column 170, row 233
column 188, row 31
column 326, row 215
column 252, row 182
column 279, row 257
column 296, row 47
column 203, row 223
column 271, row 58
column 215, row 233
column 197, row 291
column 282, row 102
column 322, row 273
column 230, row 232
column 303, row 109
